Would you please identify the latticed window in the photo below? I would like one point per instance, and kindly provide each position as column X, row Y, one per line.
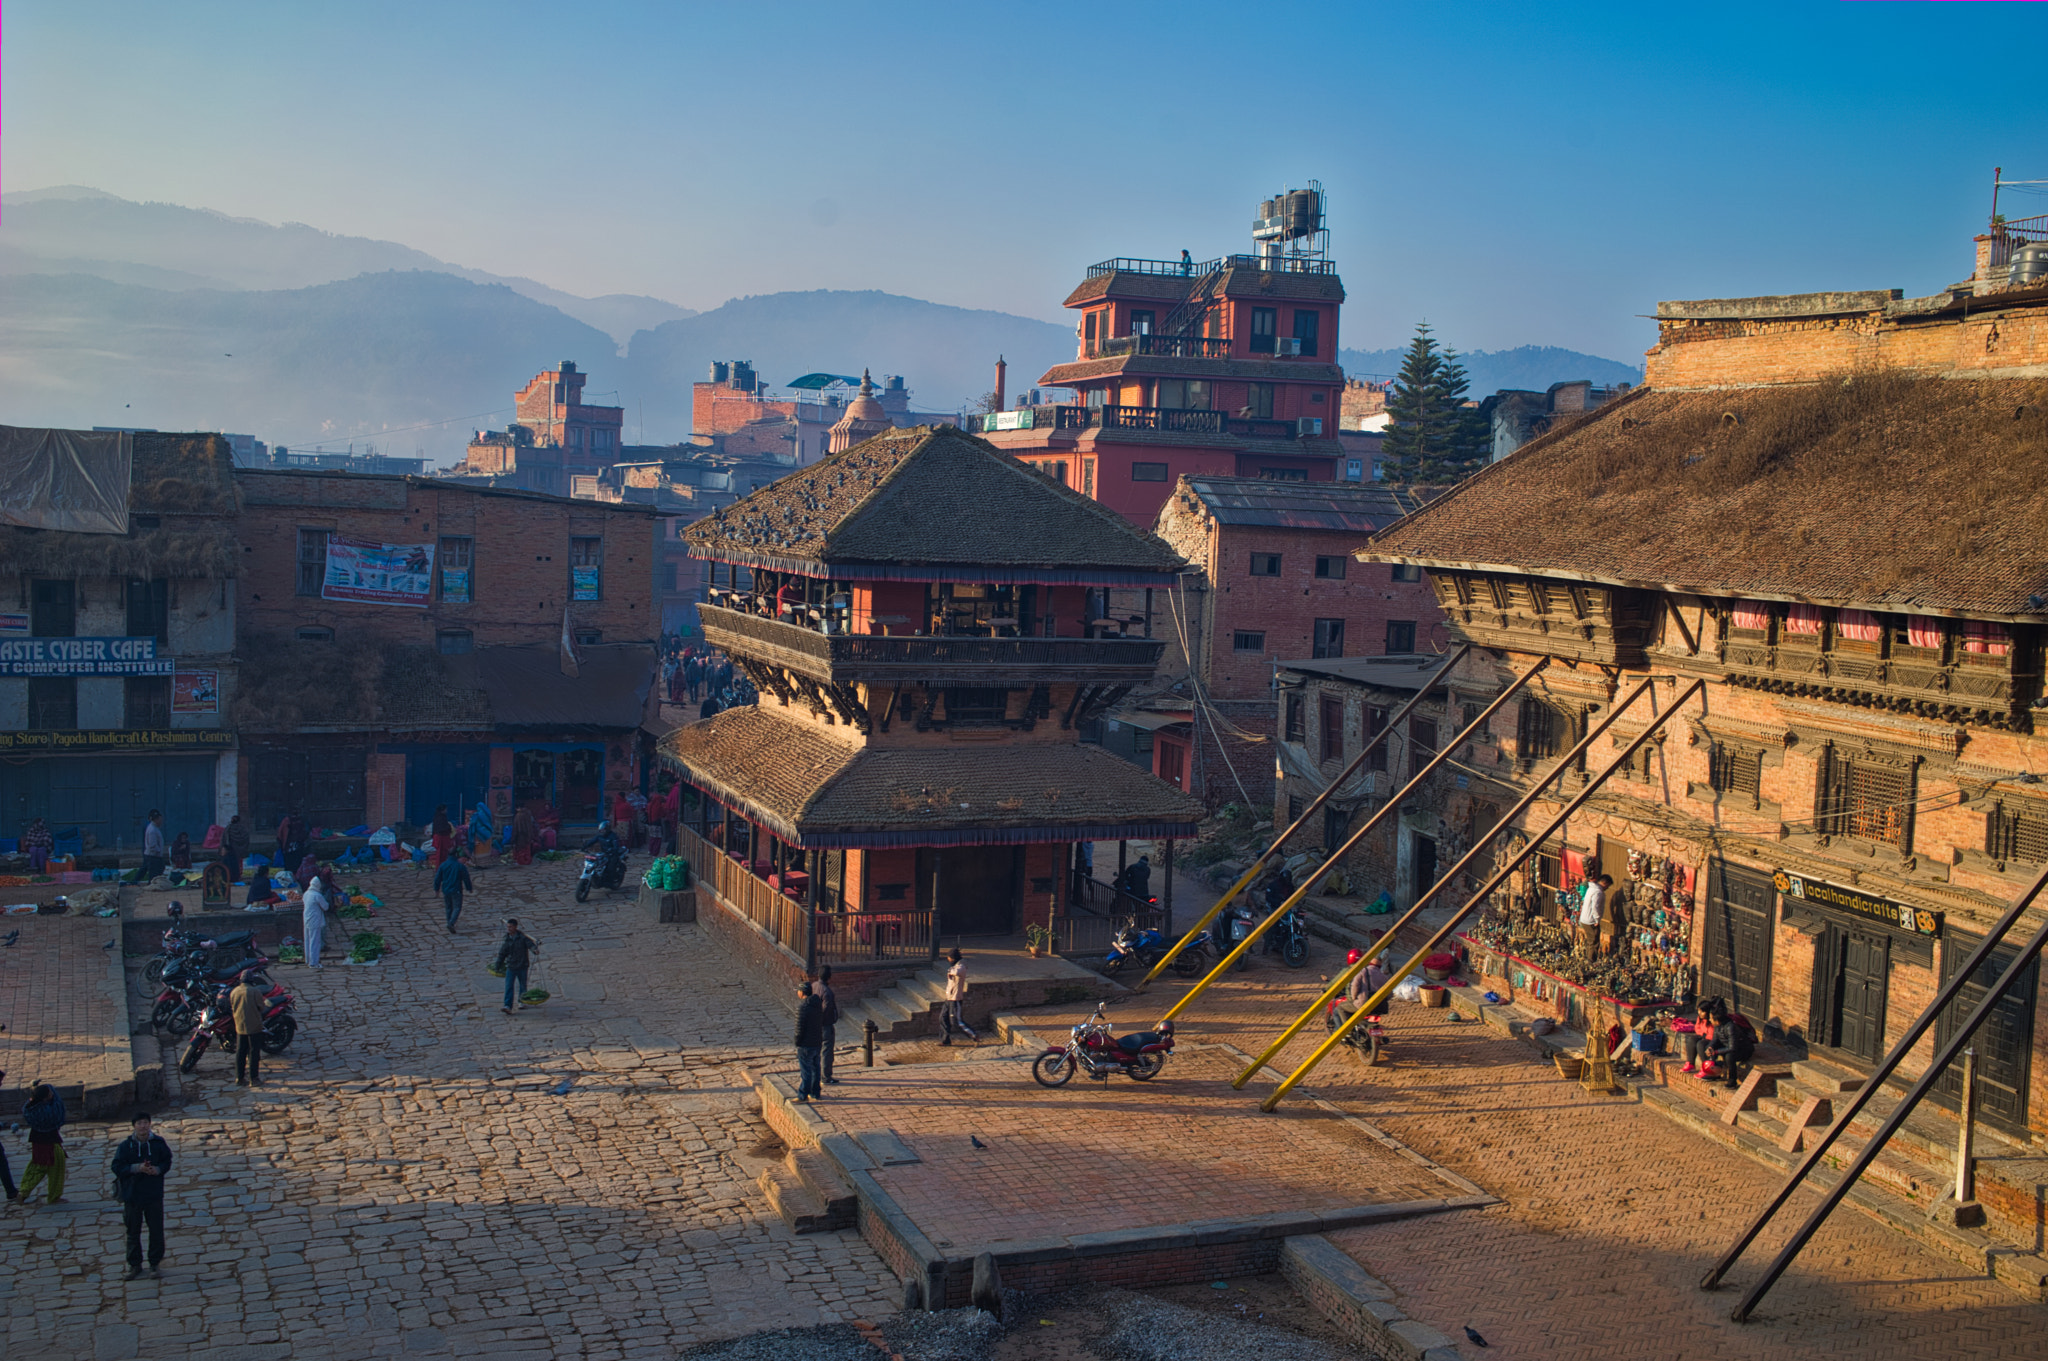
column 1539, row 731
column 2016, row 834
column 1866, row 799
column 1733, row 770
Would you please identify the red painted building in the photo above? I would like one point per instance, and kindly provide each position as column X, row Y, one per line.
column 1224, row 367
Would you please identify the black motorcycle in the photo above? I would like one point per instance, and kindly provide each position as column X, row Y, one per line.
column 603, row 868
column 1289, row 939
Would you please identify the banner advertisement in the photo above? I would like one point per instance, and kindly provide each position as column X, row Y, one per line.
column 13, row 623
column 111, row 739
column 1918, row 920
column 82, row 657
column 379, row 573
column 195, row 692
column 583, row 583
column 455, row 585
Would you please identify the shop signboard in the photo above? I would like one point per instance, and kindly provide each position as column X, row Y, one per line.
column 195, row 692
column 82, row 657
column 1918, row 921
column 11, row 622
column 379, row 573
column 115, row 739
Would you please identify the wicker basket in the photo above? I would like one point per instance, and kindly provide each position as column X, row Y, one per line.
column 1435, row 996
column 1569, row 1066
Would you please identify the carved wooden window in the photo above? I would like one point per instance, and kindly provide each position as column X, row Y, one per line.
column 1871, row 800
column 1637, row 766
column 1540, row 731
column 1737, row 771
column 2016, row 833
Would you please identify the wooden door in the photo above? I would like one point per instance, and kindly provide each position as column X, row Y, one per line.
column 1860, row 998
column 1741, row 907
column 977, row 890
column 2002, row 1042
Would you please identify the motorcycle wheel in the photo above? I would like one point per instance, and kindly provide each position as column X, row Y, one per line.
column 277, row 1035
column 1185, row 964
column 1296, row 953
column 582, row 890
column 1053, row 1070
column 173, row 1017
column 1113, row 967
column 1379, row 1052
column 154, row 970
column 1146, row 1067
column 191, row 1057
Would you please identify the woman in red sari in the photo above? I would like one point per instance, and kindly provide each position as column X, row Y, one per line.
column 525, row 834
column 443, row 832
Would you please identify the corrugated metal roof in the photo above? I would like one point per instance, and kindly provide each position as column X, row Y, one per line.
column 1303, row 505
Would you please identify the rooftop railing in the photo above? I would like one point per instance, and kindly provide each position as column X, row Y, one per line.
column 1194, row 269
column 1173, row 420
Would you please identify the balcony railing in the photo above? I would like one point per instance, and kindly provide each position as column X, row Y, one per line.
column 1169, row 347
column 853, row 656
column 1194, row 269
column 841, row 937
column 1170, row 419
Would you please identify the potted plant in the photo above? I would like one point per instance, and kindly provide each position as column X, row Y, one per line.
column 1038, row 940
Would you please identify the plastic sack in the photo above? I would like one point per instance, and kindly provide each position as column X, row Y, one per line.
column 1408, row 990
column 383, row 836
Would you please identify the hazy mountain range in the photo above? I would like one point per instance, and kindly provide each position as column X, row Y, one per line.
column 155, row 315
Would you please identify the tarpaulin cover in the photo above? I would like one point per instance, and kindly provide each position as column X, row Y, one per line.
column 72, row 480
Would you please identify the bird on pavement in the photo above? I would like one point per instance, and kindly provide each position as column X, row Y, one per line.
column 976, row 1142
column 12, row 936
column 110, row 944
column 1477, row 1340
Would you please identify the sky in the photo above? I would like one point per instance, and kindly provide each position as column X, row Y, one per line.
column 1512, row 173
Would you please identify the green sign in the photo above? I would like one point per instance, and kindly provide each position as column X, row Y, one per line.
column 1919, row 921
column 139, row 739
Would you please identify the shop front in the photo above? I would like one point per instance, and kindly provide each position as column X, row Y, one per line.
column 1865, row 950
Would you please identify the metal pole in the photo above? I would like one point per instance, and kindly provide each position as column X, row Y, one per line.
column 1244, row 880
column 1386, row 940
column 1892, row 1122
column 1391, row 806
column 1379, row 999
column 1166, row 897
column 1948, row 992
column 1966, row 1162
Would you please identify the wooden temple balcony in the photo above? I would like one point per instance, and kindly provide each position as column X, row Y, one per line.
column 1573, row 620
column 844, row 658
column 1945, row 682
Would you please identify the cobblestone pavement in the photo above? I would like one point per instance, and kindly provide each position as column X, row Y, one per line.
column 409, row 1179
column 61, row 1004
column 1094, row 1156
column 1612, row 1213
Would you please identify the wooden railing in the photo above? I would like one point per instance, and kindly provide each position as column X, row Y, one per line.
column 782, row 917
column 866, row 652
column 1087, row 934
column 851, row 937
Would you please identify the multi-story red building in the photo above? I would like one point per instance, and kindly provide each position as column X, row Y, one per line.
column 555, row 436
column 1224, row 367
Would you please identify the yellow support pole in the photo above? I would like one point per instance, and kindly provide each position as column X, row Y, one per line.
column 1173, row 948
column 1390, row 806
column 1343, row 980
column 1379, row 999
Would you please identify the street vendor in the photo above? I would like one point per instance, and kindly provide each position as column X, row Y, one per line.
column 1592, row 904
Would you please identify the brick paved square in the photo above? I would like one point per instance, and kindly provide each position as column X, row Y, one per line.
column 61, row 1002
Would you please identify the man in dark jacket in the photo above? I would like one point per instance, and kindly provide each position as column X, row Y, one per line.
column 810, row 1037
column 515, row 953
column 44, row 1115
column 828, row 1003
column 451, row 880
column 140, row 1164
column 246, row 1005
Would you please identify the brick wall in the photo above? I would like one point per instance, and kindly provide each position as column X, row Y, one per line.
column 1715, row 353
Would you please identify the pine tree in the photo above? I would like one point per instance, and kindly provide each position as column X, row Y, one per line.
column 1432, row 437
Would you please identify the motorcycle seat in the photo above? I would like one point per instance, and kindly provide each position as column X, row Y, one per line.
column 233, row 938
column 1134, row 1043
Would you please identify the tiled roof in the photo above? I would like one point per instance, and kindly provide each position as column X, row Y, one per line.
column 1354, row 506
column 928, row 496
column 806, row 786
column 1884, row 492
column 1237, row 283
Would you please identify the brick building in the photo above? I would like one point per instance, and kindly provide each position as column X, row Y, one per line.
column 1224, row 367
column 554, row 435
column 914, row 767
column 1273, row 579
column 409, row 642
column 117, row 634
column 750, row 420
column 1827, row 508
column 1515, row 415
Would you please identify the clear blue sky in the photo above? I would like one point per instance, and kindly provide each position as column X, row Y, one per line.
column 1515, row 173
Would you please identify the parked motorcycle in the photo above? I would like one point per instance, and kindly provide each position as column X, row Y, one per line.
column 1289, row 939
column 189, row 985
column 1368, row 1037
column 1144, row 948
column 1093, row 1049
column 217, row 1023
column 604, row 870
column 179, row 943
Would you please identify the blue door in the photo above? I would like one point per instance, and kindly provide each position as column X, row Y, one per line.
column 109, row 797
column 459, row 776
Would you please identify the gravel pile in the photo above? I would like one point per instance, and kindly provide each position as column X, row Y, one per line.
column 949, row 1335
column 1145, row 1329
column 830, row 1342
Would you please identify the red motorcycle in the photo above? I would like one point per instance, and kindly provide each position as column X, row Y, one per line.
column 1368, row 1037
column 217, row 1022
column 1092, row 1049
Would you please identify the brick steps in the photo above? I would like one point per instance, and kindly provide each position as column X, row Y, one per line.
column 806, row 1191
column 906, row 1008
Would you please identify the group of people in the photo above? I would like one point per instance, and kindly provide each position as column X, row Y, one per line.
column 1719, row 1042
column 690, row 671
column 140, row 1165
column 817, row 1024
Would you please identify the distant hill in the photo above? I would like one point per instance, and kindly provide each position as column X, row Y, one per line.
column 946, row 354
column 339, row 361
column 76, row 230
column 1534, row 367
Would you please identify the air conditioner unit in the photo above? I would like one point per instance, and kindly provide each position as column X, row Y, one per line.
column 1308, row 425
column 1285, row 346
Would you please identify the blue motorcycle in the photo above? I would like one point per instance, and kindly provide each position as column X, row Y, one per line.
column 1145, row 948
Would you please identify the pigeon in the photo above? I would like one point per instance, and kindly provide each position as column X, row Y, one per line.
column 12, row 936
column 976, row 1142
column 1477, row 1340
column 110, row 944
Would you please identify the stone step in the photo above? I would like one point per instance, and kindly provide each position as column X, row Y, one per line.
column 818, row 1176
column 1822, row 1078
column 798, row 1206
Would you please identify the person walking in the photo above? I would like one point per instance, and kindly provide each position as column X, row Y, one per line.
column 291, row 841
column 810, row 1037
column 154, row 856
column 828, row 1003
column 950, row 1015
column 44, row 1115
column 140, row 1165
column 313, row 920
column 515, row 956
column 234, row 847
column 245, row 1003
column 452, row 879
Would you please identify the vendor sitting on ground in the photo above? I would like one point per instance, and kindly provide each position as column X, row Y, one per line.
column 261, row 894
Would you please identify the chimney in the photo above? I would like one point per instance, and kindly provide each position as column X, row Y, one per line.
column 1002, row 370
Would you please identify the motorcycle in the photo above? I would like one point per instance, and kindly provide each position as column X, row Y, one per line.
column 181, row 944
column 1289, row 939
column 604, row 870
column 1144, row 948
column 217, row 1023
column 1368, row 1037
column 189, row 984
column 1091, row 1048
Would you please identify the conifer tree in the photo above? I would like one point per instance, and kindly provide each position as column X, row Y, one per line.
column 1431, row 436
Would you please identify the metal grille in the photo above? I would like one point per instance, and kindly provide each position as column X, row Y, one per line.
column 2013, row 835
